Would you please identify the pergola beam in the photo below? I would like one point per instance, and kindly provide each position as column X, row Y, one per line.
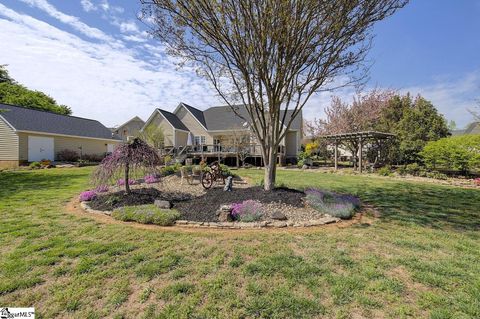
column 361, row 137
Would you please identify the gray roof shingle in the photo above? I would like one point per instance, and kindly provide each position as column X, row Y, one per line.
column 221, row 118
column 198, row 114
column 26, row 119
column 173, row 119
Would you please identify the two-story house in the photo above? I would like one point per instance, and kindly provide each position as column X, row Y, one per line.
column 219, row 132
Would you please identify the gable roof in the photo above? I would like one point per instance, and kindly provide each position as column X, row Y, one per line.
column 26, row 119
column 173, row 120
column 135, row 118
column 220, row 118
column 198, row 114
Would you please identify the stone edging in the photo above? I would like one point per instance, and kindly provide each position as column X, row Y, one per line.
column 234, row 225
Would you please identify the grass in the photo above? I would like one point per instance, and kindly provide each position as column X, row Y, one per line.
column 421, row 258
column 146, row 214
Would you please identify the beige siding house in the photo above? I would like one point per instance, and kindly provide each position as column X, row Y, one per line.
column 129, row 129
column 28, row 135
column 216, row 132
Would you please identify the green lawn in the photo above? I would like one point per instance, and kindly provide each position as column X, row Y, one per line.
column 421, row 258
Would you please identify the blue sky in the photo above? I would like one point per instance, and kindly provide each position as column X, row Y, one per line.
column 95, row 56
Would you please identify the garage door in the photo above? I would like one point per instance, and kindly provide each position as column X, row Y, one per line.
column 40, row 148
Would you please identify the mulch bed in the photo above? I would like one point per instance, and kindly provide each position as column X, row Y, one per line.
column 204, row 208
column 139, row 196
column 198, row 208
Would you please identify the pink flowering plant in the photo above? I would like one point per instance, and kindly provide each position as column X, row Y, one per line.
column 476, row 181
column 247, row 211
column 151, row 179
column 121, row 182
column 127, row 160
column 88, row 195
column 337, row 205
column 101, row 189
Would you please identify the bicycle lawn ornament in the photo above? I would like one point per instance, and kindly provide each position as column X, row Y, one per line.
column 213, row 175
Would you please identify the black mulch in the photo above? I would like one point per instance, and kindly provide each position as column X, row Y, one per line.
column 140, row 196
column 204, row 208
column 201, row 208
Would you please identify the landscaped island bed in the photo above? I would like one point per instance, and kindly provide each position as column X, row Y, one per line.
column 195, row 204
column 419, row 259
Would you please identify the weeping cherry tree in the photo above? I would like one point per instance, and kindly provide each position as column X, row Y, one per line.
column 126, row 160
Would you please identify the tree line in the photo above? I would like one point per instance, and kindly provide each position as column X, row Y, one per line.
column 14, row 93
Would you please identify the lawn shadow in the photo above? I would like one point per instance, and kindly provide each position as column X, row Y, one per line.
column 427, row 205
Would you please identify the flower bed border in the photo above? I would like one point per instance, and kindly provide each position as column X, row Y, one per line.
column 233, row 225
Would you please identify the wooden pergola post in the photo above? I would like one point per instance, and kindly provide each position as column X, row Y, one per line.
column 336, row 154
column 360, row 157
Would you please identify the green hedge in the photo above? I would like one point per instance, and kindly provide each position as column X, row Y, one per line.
column 146, row 214
column 457, row 153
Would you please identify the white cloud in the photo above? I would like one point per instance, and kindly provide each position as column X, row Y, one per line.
column 97, row 80
column 72, row 21
column 451, row 96
column 88, row 5
column 128, row 27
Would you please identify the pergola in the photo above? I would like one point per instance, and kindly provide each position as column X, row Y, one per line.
column 361, row 137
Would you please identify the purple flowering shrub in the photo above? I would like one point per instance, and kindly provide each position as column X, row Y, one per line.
column 101, row 189
column 151, row 179
column 333, row 204
column 247, row 211
column 87, row 196
column 121, row 182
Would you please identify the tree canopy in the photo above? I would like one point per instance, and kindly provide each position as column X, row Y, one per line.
column 14, row 93
column 269, row 55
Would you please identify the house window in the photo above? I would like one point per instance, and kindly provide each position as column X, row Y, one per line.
column 200, row 140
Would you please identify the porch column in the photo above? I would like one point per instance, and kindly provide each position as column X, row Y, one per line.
column 360, row 157
column 336, row 154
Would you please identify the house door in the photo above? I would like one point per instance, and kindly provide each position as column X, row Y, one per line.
column 40, row 148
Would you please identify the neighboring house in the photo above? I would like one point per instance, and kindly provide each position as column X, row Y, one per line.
column 28, row 135
column 472, row 128
column 130, row 129
column 217, row 132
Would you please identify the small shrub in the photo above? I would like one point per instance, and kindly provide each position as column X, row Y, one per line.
column 167, row 159
column 87, row 196
column 101, row 189
column 412, row 169
column 67, row 155
column 437, row 175
column 476, row 181
column 151, row 179
column 336, row 205
column 225, row 170
column 146, row 214
column 35, row 165
column 93, row 158
column 300, row 163
column 121, row 182
column 247, row 211
column 169, row 170
column 385, row 171
column 401, row 170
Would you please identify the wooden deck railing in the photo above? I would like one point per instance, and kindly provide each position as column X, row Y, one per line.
column 214, row 149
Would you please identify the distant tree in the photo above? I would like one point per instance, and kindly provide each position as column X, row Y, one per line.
column 125, row 160
column 269, row 55
column 415, row 122
column 452, row 125
column 4, row 76
column 360, row 115
column 154, row 136
column 16, row 94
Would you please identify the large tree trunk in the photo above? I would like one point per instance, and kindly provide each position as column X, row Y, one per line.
column 127, row 184
column 270, row 169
